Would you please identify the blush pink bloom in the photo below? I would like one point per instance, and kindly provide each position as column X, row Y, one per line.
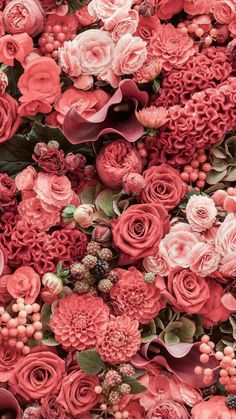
column 24, row 16
column 83, row 82
column 214, row 311
column 224, row 11
column 119, row 340
column 78, row 320
column 201, row 212
column 25, row 180
column 196, row 7
column 40, row 80
column 54, row 191
column 153, row 117
column 228, row 265
column 24, row 282
column 177, row 245
column 129, row 55
column 15, row 47
column 149, row 71
column 203, row 259
column 9, row 118
column 105, row 9
column 69, row 59
column 171, row 46
column 33, row 215
column 123, row 24
column 166, row 9
column 158, row 264
column 169, row 409
column 226, row 236
column 215, row 407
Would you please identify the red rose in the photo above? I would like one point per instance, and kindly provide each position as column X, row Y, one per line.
column 24, row 282
column 77, row 393
column 163, row 186
column 8, row 359
column 139, row 230
column 52, row 161
column 9, row 119
column 37, row 375
column 52, row 409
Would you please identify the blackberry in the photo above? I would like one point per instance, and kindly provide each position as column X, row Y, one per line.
column 101, row 269
column 113, row 276
column 93, row 248
column 105, row 254
column 89, row 278
column 78, row 270
column 89, row 261
column 105, row 285
column 81, row 287
column 209, row 391
column 124, row 388
column 231, row 401
column 93, row 291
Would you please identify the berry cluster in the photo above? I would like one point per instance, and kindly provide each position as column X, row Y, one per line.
column 195, row 172
column 201, row 29
column 54, row 38
column 22, row 325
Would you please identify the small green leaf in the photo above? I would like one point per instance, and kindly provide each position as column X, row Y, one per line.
column 48, row 337
column 136, row 386
column 171, row 338
column 13, row 74
column 46, row 314
column 87, row 196
column 90, row 361
column 104, row 201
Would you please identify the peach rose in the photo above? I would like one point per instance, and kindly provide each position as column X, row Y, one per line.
column 201, row 212
column 130, row 54
column 105, row 9
column 54, row 191
column 24, row 282
column 24, row 16
column 25, row 180
column 15, row 47
column 124, row 24
column 226, row 236
column 224, row 11
column 203, row 259
column 178, row 245
column 40, row 80
column 34, row 215
column 214, row 407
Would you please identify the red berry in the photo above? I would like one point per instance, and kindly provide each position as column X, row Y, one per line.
column 200, row 183
column 206, row 167
column 49, row 47
column 199, row 32
column 61, row 37
column 195, row 163
column 202, row 158
column 193, row 176
column 202, row 176
column 56, row 28
column 184, row 176
column 188, row 169
column 56, row 44
column 65, row 28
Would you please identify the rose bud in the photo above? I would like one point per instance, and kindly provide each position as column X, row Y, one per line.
column 52, row 282
column 83, row 215
column 48, row 296
column 3, row 82
column 102, row 234
column 53, row 144
column 146, row 9
column 75, row 161
column 39, row 149
column 133, row 183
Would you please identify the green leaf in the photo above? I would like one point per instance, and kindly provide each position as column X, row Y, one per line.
column 13, row 75
column 87, row 196
column 48, row 337
column 16, row 155
column 46, row 314
column 171, row 338
column 136, row 386
column 90, row 361
column 76, row 5
column 147, row 338
column 104, row 201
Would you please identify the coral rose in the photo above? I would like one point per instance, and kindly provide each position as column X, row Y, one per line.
column 40, row 80
column 163, row 186
column 214, row 310
column 139, row 230
column 105, row 9
column 77, row 394
column 138, row 299
column 9, row 119
column 25, row 180
column 215, row 407
column 224, row 11
column 153, row 117
column 54, row 191
column 24, row 16
column 78, row 320
column 226, row 236
column 201, row 212
column 172, row 46
column 116, row 160
column 14, row 47
column 34, row 215
column 186, row 291
column 36, row 375
column 9, row 356
column 129, row 55
column 24, row 282
column 169, row 409
column 119, row 340
column 203, row 259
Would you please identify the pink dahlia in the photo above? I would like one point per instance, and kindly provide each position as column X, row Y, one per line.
column 172, row 46
column 119, row 340
column 78, row 320
column 138, row 299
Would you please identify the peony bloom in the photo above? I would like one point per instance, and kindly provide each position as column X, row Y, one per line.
column 119, row 339
column 169, row 409
column 203, row 259
column 129, row 55
column 201, row 212
column 138, row 299
column 78, row 320
column 116, row 160
column 153, row 117
column 215, row 407
column 15, row 47
column 24, row 16
column 171, row 46
column 24, row 282
column 9, row 119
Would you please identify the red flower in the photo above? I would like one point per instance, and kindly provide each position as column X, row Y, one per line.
column 24, row 282
column 52, row 161
column 7, row 189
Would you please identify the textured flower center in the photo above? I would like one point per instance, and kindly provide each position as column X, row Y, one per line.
column 118, row 339
column 18, row 15
column 79, row 322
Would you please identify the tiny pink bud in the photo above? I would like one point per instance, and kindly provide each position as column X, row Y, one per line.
column 39, row 149
column 133, row 183
column 83, row 215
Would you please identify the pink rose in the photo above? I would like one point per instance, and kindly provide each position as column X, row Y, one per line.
column 214, row 407
column 178, row 245
column 104, row 9
column 228, row 265
column 203, row 259
column 24, row 282
column 129, row 55
column 186, row 291
column 77, row 394
column 166, row 9
column 54, row 191
column 201, row 212
column 24, row 16
column 9, row 119
column 15, row 47
column 224, row 11
column 226, row 236
column 25, row 180
column 196, row 7
column 124, row 24
column 34, row 215
column 158, row 264
column 214, row 311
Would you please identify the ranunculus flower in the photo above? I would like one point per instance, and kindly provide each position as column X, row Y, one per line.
column 186, row 291
column 178, row 245
column 106, row 9
column 133, row 183
column 226, row 236
column 8, row 189
column 54, row 191
column 37, row 375
column 172, row 46
column 9, row 119
column 24, row 282
column 201, row 212
column 25, row 180
column 214, row 407
column 23, row 16
column 166, row 9
column 163, row 186
column 15, row 47
column 203, row 259
column 34, row 215
column 224, row 11
column 52, row 161
column 139, row 230
column 116, row 160
column 196, row 7
column 77, row 394
column 169, row 409
column 9, row 357
column 153, row 117
column 129, row 55
column 214, row 311
column 40, row 80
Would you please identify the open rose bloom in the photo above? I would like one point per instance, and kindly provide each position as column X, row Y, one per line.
column 117, row 209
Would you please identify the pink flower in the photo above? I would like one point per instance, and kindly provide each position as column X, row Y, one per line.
column 124, row 24
column 214, row 311
column 104, row 9
column 158, row 388
column 129, row 55
column 116, row 160
column 119, row 340
column 166, row 9
column 138, row 299
column 224, row 11
column 24, row 16
column 158, row 264
column 149, row 71
column 196, row 7
column 201, row 212
column 169, row 409
column 228, row 265
column 177, row 245
column 33, row 107
column 203, row 259
column 133, row 183
column 78, row 320
column 15, row 47
column 53, row 191
column 9, row 119
column 33, row 214
column 68, row 59
column 226, row 236
column 172, row 46
column 147, row 27
column 153, row 117
column 85, row 19
column 24, row 282
column 25, row 180
column 214, row 407
column 9, row 357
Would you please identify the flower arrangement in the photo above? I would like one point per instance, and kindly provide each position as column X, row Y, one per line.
column 117, row 209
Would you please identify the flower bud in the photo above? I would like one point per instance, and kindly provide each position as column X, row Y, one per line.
column 52, row 282
column 102, row 234
column 32, row 412
column 53, row 144
column 133, row 183
column 83, row 215
column 39, row 149
column 75, row 161
column 146, row 9
column 48, row 296
column 3, row 82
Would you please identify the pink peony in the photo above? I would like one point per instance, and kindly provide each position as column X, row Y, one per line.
column 201, row 212
column 24, row 16
column 138, row 299
column 106, row 9
column 119, row 339
column 33, row 215
column 172, row 46
column 129, row 55
column 153, row 117
column 226, row 236
column 224, row 11
column 78, row 320
column 177, row 245
column 215, row 407
column 203, row 259
column 15, row 47
column 24, row 282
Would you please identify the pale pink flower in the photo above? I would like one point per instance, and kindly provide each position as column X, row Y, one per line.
column 203, row 259
column 224, row 11
column 201, row 212
column 124, row 24
column 149, row 71
column 33, row 215
column 54, row 191
column 178, row 245
column 226, row 236
column 129, row 55
column 228, row 265
column 152, row 117
column 159, row 264
column 105, row 9
column 69, row 59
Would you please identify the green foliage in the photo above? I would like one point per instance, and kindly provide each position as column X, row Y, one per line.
column 90, row 361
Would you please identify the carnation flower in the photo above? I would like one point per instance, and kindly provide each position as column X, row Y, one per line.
column 78, row 320
column 119, row 340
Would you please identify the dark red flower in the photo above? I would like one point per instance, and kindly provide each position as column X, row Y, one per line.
column 7, row 189
column 52, row 161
